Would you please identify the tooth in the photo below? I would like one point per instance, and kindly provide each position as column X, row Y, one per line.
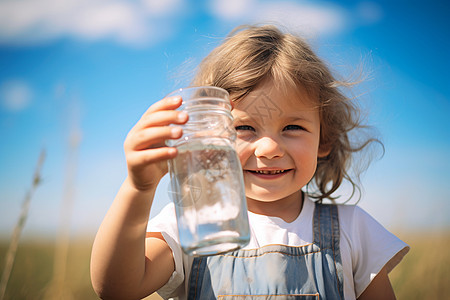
column 269, row 172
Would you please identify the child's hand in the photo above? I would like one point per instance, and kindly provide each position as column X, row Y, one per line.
column 145, row 149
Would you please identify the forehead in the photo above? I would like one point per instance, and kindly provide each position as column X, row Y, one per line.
column 270, row 101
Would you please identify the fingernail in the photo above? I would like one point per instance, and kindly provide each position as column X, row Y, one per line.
column 182, row 116
column 176, row 131
column 176, row 99
column 172, row 151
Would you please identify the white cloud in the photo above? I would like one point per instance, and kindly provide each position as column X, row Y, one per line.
column 161, row 7
column 231, row 9
column 15, row 95
column 312, row 18
column 140, row 22
column 34, row 21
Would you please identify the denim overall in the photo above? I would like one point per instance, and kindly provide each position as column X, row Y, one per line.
column 312, row 271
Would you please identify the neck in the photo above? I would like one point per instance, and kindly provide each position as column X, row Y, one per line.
column 287, row 208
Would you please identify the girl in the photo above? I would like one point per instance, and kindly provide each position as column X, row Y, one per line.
column 293, row 126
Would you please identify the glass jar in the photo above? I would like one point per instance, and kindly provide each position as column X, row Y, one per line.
column 207, row 185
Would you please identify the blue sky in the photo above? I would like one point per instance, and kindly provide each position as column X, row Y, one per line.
column 75, row 76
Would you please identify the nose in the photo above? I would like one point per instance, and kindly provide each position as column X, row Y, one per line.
column 269, row 148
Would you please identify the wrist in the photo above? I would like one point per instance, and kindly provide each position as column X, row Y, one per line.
column 147, row 188
column 137, row 201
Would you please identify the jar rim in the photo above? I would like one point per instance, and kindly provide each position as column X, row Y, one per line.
column 199, row 87
column 200, row 92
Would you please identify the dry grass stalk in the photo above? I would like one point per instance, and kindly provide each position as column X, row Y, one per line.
column 58, row 289
column 11, row 254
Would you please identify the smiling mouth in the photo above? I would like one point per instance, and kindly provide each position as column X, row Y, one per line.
column 269, row 172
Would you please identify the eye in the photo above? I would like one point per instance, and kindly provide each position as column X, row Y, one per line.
column 293, row 127
column 244, row 127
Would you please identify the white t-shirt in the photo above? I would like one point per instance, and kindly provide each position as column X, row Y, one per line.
column 366, row 246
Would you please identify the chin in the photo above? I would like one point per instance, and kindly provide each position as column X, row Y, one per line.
column 270, row 195
column 265, row 197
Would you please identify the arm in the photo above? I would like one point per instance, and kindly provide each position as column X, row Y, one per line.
column 124, row 263
column 379, row 288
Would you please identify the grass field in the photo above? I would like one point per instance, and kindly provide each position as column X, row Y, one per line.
column 425, row 271
column 423, row 274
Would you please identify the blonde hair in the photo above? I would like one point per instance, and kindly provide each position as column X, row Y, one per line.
column 251, row 54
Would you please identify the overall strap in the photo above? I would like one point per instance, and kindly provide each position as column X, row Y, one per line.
column 326, row 226
column 327, row 237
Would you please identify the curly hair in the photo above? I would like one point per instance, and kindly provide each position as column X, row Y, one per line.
column 251, row 54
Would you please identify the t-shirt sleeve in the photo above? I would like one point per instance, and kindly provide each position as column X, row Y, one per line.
column 165, row 223
column 372, row 246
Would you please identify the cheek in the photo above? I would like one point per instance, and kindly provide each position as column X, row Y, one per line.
column 243, row 150
column 306, row 164
column 305, row 154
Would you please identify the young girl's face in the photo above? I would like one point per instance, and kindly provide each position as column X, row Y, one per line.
column 277, row 141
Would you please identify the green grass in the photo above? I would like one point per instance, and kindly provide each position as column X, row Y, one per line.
column 423, row 274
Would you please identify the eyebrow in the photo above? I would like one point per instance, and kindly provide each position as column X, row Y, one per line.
column 243, row 119
column 297, row 118
column 247, row 118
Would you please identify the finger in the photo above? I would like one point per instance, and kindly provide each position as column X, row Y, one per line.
column 169, row 103
column 153, row 137
column 162, row 118
column 150, row 156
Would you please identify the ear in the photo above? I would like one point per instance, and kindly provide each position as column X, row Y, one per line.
column 324, row 151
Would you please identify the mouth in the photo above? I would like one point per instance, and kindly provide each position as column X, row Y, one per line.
column 269, row 172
